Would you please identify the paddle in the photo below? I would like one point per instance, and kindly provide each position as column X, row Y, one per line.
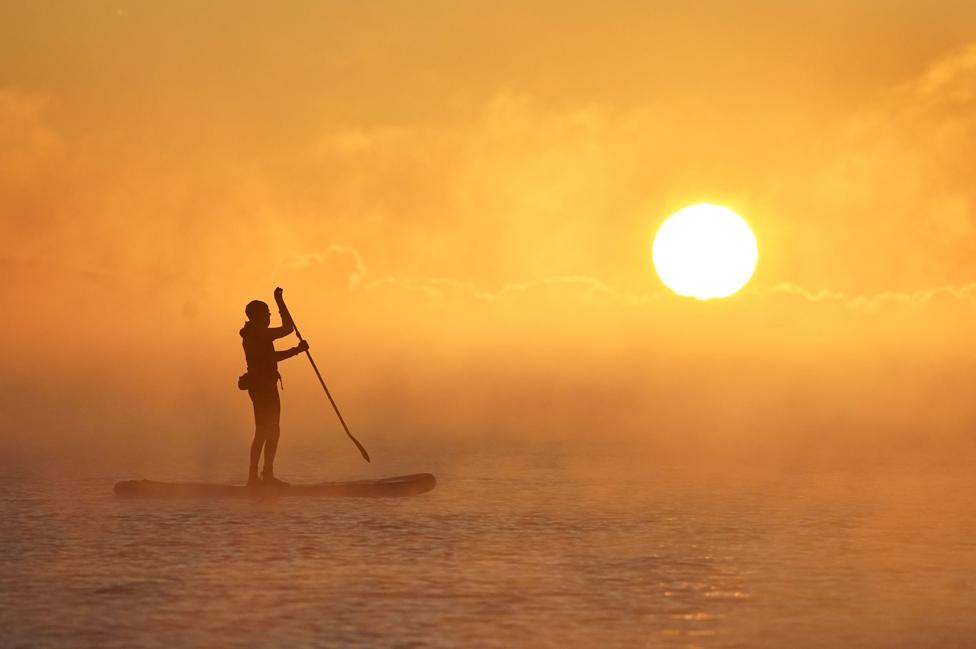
column 324, row 387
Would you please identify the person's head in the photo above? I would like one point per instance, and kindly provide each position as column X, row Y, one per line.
column 258, row 313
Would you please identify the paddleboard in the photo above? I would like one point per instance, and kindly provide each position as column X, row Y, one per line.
column 404, row 485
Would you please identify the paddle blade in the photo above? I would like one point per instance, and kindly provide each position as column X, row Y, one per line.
column 361, row 449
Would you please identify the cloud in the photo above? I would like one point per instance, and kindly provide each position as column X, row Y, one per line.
column 889, row 204
column 591, row 291
column 27, row 144
column 335, row 255
column 949, row 81
column 965, row 293
column 877, row 200
column 567, row 289
column 33, row 167
column 510, row 188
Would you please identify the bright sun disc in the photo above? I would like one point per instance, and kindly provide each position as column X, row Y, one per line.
column 705, row 251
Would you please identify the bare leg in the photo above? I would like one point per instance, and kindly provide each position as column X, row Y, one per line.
column 256, row 445
column 266, row 412
column 272, row 432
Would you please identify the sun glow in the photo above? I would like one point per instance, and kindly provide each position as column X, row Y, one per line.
column 705, row 251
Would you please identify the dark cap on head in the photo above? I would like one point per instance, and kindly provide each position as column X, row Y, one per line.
column 255, row 309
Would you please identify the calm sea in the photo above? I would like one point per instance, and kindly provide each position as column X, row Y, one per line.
column 534, row 556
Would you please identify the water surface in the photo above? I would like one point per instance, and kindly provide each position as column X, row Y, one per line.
column 536, row 557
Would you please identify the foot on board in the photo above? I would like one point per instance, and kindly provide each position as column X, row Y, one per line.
column 271, row 481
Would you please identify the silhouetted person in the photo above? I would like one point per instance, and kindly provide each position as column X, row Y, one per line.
column 261, row 381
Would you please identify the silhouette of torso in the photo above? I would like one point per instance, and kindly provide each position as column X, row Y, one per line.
column 259, row 352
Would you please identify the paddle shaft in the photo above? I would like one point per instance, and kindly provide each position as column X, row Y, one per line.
column 326, row 388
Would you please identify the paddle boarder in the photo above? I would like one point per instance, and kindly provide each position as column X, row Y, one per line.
column 261, row 382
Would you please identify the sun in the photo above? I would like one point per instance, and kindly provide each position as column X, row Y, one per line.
column 705, row 251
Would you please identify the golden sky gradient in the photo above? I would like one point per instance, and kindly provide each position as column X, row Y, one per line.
column 460, row 199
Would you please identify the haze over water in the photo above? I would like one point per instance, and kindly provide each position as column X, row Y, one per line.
column 534, row 550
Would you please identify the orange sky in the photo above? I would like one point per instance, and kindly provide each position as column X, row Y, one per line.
column 459, row 199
